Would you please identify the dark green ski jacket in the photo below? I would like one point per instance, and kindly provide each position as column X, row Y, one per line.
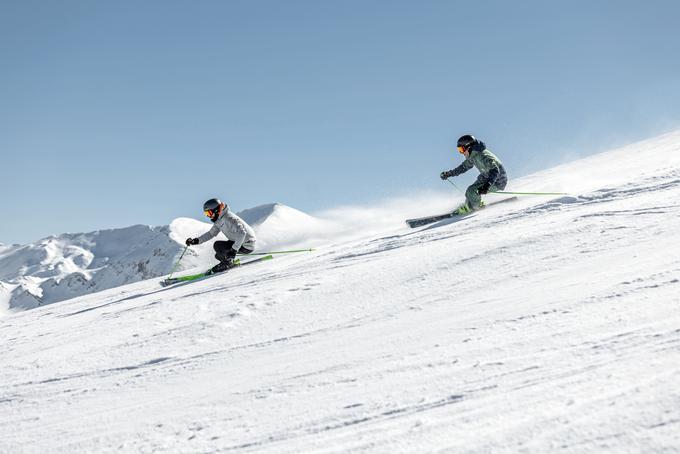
column 486, row 162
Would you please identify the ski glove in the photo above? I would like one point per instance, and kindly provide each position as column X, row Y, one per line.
column 191, row 241
column 483, row 189
column 446, row 174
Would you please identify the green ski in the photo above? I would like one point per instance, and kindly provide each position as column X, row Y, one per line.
column 196, row 277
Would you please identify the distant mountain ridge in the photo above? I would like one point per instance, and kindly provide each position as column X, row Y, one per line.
column 70, row 265
column 257, row 215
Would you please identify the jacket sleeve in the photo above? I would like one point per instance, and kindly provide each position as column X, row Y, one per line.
column 214, row 230
column 493, row 165
column 464, row 167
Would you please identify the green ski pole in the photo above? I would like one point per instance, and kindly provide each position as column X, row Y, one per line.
column 529, row 193
column 178, row 260
column 454, row 185
column 280, row 252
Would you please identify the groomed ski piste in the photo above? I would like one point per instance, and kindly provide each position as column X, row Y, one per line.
column 550, row 324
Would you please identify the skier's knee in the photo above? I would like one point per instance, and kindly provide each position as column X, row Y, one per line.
column 471, row 192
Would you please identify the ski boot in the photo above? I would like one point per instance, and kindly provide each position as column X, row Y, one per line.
column 222, row 266
column 461, row 210
column 466, row 209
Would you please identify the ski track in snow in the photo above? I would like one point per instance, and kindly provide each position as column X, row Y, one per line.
column 537, row 326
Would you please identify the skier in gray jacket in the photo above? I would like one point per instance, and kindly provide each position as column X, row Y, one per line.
column 240, row 235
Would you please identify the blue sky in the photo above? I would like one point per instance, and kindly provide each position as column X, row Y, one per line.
column 121, row 113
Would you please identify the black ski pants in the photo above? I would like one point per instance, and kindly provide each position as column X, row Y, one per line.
column 224, row 251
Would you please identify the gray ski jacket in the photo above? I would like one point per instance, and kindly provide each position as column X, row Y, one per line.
column 234, row 228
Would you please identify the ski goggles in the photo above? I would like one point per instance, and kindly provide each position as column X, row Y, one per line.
column 209, row 213
column 461, row 150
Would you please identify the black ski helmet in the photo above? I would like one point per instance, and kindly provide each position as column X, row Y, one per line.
column 465, row 142
column 212, row 208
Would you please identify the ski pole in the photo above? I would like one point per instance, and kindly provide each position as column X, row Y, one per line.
column 279, row 252
column 178, row 260
column 529, row 193
column 454, row 185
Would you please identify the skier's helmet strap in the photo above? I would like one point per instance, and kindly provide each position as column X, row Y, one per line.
column 212, row 209
column 465, row 142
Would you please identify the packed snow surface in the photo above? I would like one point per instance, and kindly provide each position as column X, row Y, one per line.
column 547, row 324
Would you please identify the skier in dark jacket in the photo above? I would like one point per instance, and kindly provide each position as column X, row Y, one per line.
column 240, row 235
column 492, row 176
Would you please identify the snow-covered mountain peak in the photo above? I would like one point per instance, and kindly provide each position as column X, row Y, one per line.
column 182, row 228
column 278, row 225
column 69, row 265
column 259, row 214
column 274, row 213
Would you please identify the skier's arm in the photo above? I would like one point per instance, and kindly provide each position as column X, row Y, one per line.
column 464, row 167
column 212, row 233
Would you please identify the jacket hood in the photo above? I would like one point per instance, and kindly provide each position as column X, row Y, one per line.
column 479, row 146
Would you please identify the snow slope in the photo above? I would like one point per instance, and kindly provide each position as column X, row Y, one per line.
column 537, row 326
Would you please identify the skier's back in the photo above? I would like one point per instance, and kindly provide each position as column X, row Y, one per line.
column 492, row 175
